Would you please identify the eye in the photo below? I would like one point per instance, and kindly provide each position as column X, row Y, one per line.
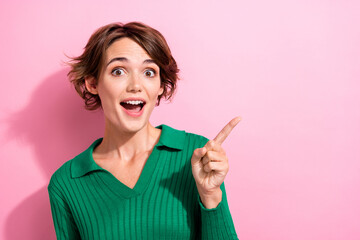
column 117, row 72
column 150, row 73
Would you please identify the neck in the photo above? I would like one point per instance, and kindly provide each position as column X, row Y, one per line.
column 124, row 145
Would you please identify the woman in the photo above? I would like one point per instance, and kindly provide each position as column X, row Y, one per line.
column 138, row 181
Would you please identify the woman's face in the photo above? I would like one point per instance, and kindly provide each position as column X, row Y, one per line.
column 128, row 87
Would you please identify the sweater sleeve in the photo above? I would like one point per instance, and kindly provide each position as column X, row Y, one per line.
column 64, row 223
column 217, row 223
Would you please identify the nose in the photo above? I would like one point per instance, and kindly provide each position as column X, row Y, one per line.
column 134, row 83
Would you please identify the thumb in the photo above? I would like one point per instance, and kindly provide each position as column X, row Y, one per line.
column 198, row 154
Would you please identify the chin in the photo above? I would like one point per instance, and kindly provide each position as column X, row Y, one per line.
column 134, row 126
column 123, row 122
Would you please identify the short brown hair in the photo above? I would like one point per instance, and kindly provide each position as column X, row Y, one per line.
column 90, row 63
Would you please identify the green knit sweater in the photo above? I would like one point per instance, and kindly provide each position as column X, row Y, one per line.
column 88, row 202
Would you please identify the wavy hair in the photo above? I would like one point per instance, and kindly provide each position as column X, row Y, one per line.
column 91, row 61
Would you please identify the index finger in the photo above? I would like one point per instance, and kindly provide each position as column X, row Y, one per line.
column 224, row 133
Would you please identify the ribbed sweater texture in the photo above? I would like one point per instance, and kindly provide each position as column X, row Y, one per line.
column 88, row 202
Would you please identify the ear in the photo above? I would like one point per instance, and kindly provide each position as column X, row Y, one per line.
column 161, row 90
column 90, row 84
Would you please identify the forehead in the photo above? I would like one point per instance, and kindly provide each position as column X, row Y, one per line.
column 126, row 47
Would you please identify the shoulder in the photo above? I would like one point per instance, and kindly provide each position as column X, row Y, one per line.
column 181, row 138
column 196, row 138
column 76, row 167
column 61, row 176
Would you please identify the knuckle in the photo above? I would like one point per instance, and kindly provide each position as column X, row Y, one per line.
column 199, row 151
column 211, row 143
column 209, row 155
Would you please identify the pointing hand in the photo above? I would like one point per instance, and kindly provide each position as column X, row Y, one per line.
column 210, row 164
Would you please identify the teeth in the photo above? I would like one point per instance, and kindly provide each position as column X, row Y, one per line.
column 134, row 102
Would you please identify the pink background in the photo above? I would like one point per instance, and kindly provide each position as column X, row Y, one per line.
column 289, row 68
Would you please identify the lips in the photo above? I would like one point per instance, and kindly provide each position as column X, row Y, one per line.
column 133, row 106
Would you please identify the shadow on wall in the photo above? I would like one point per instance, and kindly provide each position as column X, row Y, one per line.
column 58, row 127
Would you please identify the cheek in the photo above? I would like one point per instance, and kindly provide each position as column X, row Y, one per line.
column 153, row 89
column 107, row 94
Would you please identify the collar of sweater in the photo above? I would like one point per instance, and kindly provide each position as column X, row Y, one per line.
column 84, row 162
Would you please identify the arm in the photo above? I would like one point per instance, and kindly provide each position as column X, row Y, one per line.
column 217, row 223
column 64, row 223
column 209, row 168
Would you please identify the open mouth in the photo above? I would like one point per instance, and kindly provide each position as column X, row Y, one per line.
column 133, row 106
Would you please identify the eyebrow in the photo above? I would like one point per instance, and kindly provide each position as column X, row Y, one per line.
column 124, row 59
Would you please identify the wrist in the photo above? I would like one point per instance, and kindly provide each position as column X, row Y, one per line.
column 211, row 199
